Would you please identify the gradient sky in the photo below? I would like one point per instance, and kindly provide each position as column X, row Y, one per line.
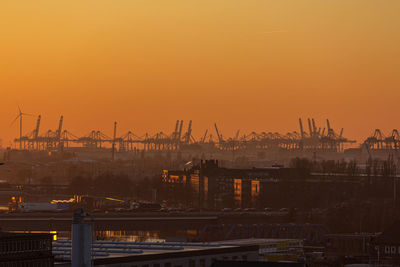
column 254, row 65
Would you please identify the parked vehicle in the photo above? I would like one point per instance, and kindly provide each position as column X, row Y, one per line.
column 249, row 209
column 29, row 207
column 142, row 207
column 226, row 210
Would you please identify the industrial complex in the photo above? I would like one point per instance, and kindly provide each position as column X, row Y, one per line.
column 310, row 140
column 309, row 197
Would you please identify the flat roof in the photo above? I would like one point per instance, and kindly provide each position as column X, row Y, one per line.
column 256, row 241
column 8, row 235
column 147, row 251
column 353, row 235
column 187, row 251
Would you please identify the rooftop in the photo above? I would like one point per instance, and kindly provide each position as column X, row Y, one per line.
column 106, row 252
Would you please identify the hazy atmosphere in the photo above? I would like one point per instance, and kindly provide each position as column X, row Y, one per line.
column 250, row 65
column 213, row 133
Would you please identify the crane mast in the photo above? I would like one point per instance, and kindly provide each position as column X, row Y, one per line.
column 60, row 124
column 237, row 134
column 309, row 127
column 175, row 135
column 180, row 131
column 314, row 128
column 301, row 128
column 36, row 133
column 189, row 132
column 114, row 139
column 205, row 136
column 219, row 136
column 328, row 124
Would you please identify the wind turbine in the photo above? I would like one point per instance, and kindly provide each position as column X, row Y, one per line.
column 20, row 115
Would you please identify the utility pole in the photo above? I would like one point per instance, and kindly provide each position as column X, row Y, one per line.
column 113, row 143
column 20, row 132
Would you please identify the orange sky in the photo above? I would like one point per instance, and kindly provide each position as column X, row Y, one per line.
column 246, row 64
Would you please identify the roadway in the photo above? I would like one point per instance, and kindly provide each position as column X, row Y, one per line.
column 135, row 221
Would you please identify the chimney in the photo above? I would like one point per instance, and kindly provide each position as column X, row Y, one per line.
column 81, row 240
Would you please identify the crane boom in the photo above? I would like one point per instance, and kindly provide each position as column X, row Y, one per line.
column 309, row 127
column 313, row 125
column 216, row 129
column 114, row 139
column 237, row 134
column 204, row 137
column 60, row 124
column 301, row 128
column 36, row 133
column 189, row 132
column 180, row 130
column 175, row 134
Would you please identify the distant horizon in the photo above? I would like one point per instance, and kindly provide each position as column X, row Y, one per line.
column 31, row 119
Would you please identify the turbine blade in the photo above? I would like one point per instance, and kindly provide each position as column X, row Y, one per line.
column 16, row 118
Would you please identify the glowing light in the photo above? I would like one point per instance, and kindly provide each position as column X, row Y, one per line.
column 54, row 235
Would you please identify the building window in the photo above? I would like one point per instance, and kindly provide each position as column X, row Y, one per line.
column 167, row 264
column 192, row 263
column 156, row 265
column 202, row 263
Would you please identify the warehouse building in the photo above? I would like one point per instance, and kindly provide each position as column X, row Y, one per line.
column 145, row 254
column 20, row 249
column 209, row 186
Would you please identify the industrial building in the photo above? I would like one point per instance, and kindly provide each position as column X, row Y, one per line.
column 273, row 250
column 161, row 254
column 321, row 139
column 385, row 247
column 20, row 249
column 141, row 254
column 312, row 141
column 348, row 247
column 209, row 186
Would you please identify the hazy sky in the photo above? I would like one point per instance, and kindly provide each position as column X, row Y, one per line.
column 254, row 65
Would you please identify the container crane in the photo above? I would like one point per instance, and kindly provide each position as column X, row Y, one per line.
column 180, row 131
column 301, row 128
column 189, row 132
column 36, row 131
column 309, row 127
column 219, row 136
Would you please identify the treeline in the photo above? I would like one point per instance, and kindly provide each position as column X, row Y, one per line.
column 114, row 185
column 372, row 167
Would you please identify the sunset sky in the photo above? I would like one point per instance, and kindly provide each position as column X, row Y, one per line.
column 253, row 65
